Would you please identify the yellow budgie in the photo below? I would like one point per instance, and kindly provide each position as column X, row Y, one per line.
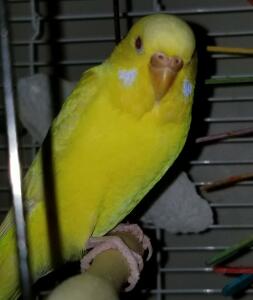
column 118, row 132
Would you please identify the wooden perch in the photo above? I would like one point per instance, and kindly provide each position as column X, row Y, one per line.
column 104, row 279
column 233, row 270
column 225, row 182
column 240, row 79
column 230, row 50
column 231, row 252
column 224, row 135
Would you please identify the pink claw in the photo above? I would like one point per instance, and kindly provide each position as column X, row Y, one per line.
column 101, row 244
column 138, row 233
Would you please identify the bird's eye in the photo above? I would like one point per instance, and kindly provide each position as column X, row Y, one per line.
column 138, row 44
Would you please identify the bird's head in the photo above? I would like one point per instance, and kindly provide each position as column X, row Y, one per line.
column 155, row 65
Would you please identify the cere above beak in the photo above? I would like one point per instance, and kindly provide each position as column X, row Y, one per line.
column 163, row 71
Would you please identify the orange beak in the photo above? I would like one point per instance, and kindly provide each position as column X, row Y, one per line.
column 163, row 71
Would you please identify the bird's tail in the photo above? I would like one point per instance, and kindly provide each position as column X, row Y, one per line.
column 9, row 277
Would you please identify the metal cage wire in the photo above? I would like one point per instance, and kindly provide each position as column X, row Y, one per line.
column 84, row 36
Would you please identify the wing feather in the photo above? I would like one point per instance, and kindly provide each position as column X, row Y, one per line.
column 61, row 130
column 66, row 122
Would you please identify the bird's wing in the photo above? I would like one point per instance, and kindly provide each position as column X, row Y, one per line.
column 8, row 221
column 83, row 94
column 61, row 130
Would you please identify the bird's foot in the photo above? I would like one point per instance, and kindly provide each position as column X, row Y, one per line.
column 101, row 244
column 134, row 260
column 137, row 232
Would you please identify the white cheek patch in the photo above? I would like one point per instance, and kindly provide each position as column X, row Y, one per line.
column 187, row 88
column 127, row 76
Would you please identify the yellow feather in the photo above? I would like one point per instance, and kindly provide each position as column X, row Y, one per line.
column 111, row 142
